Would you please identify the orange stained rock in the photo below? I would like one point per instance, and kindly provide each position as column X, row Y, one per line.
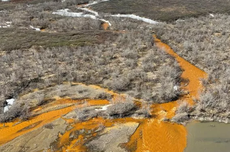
column 105, row 25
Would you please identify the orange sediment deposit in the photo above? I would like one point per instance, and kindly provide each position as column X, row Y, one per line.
column 164, row 110
column 158, row 136
column 90, row 129
column 154, row 134
column 11, row 131
column 191, row 72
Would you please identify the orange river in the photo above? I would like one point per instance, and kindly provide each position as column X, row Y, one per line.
column 152, row 135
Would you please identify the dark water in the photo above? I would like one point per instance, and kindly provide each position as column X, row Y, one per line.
column 208, row 137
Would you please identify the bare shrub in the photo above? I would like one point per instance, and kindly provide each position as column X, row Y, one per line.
column 17, row 110
column 121, row 108
column 119, row 84
column 183, row 107
column 144, row 111
column 104, row 95
column 86, row 113
column 205, row 45
column 180, row 118
column 170, row 78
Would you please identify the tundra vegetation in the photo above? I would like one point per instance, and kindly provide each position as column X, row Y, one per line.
column 123, row 58
column 204, row 41
column 59, row 52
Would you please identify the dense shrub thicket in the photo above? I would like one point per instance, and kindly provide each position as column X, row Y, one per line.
column 205, row 42
column 128, row 65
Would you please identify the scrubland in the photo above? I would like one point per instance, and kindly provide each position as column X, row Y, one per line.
column 204, row 41
column 123, row 59
column 125, row 62
column 110, row 83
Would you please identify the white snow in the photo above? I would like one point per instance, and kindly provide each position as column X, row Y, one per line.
column 95, row 15
column 5, row 0
column 103, row 20
column 6, row 108
column 103, row 108
column 95, row 2
column 64, row 12
column 5, row 25
column 34, row 28
column 176, row 88
column 9, row 102
column 147, row 20
column 90, row 11
column 211, row 15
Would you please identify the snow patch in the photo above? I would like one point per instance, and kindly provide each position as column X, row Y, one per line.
column 5, row 0
column 211, row 15
column 34, row 28
column 6, row 108
column 9, row 103
column 103, row 20
column 90, row 11
column 103, row 108
column 65, row 12
column 176, row 88
column 147, row 20
column 95, row 2
column 5, row 25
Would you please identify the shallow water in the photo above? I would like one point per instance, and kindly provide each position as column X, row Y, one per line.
column 208, row 137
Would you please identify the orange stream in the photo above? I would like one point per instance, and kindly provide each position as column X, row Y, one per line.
column 13, row 130
column 77, row 144
column 153, row 134
column 156, row 135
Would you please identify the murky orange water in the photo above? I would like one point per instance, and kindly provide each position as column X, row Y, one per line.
column 13, row 130
column 153, row 134
column 156, row 135
column 191, row 72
